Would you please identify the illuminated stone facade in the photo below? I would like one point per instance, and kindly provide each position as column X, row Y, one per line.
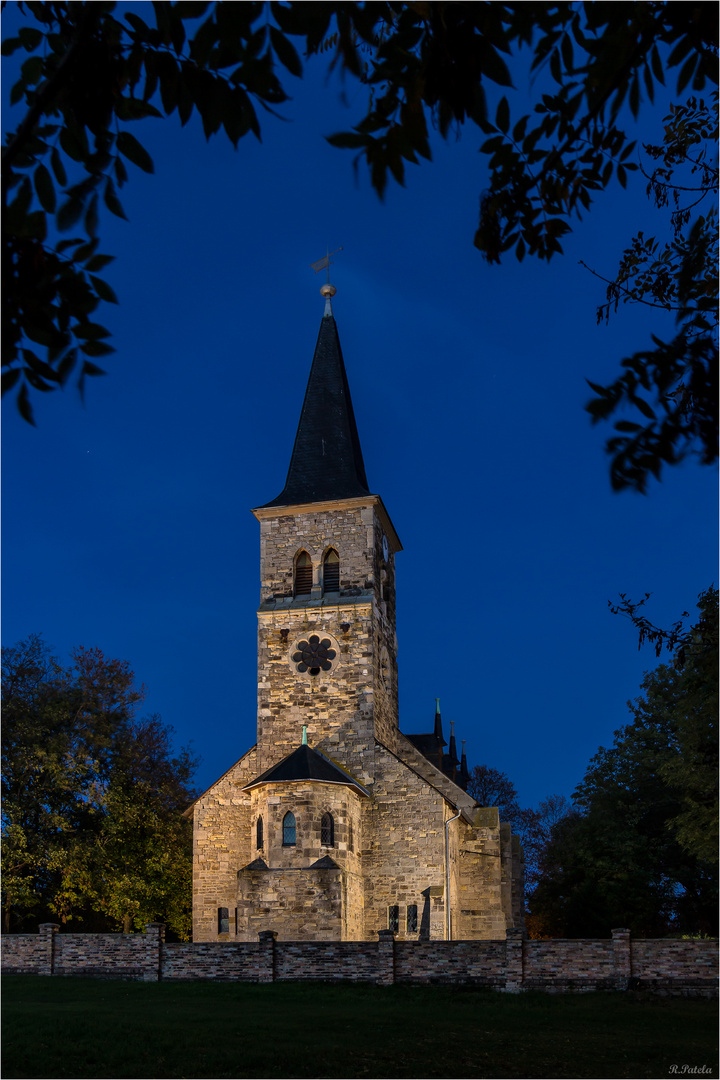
column 335, row 825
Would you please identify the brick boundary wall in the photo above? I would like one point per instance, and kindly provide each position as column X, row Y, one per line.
column 663, row 966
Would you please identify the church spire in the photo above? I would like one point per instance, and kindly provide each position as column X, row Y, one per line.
column 439, row 741
column 453, row 760
column 326, row 461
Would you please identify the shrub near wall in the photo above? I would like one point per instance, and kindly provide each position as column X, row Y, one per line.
column 665, row 967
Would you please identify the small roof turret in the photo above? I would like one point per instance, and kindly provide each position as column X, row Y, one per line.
column 452, row 749
column 464, row 771
column 431, row 745
column 451, row 760
column 438, row 723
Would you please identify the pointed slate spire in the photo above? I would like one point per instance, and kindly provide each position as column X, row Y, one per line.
column 326, row 461
column 439, row 741
column 451, row 759
column 464, row 771
column 438, row 723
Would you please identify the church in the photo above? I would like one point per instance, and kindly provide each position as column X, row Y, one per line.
column 336, row 825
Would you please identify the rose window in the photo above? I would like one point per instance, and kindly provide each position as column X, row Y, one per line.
column 314, row 654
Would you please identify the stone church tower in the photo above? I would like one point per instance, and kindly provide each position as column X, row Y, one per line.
column 336, row 825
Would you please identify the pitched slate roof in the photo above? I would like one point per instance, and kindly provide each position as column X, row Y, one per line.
column 326, row 863
column 306, row 764
column 426, row 744
column 430, row 745
column 326, row 461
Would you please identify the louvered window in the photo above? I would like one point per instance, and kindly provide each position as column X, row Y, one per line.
column 303, row 574
column 331, row 572
column 327, row 831
column 260, row 838
column 289, row 831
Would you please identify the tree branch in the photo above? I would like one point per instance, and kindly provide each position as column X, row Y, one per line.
column 88, row 20
column 636, row 299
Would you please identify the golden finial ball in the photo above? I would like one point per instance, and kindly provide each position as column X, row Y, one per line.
column 328, row 291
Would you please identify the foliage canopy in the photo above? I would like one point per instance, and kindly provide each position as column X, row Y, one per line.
column 92, row 796
column 640, row 848
column 490, row 787
column 92, row 73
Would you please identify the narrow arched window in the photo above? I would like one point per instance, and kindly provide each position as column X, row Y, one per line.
column 331, row 572
column 289, row 830
column 259, row 832
column 327, row 831
column 303, row 574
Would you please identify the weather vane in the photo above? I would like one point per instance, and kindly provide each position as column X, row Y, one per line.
column 327, row 289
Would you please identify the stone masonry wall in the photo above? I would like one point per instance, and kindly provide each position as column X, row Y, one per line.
column 220, row 960
column 659, row 964
column 129, row 956
column 336, row 706
column 666, row 967
column 29, row 954
column 451, row 961
column 555, row 963
column 221, row 845
column 331, row 961
column 351, row 528
column 403, row 849
column 302, row 902
column 348, row 706
column 479, row 907
column 308, row 802
column 111, row 956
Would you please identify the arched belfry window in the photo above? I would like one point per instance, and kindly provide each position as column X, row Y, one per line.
column 259, row 831
column 289, row 830
column 327, row 831
column 331, row 572
column 303, row 574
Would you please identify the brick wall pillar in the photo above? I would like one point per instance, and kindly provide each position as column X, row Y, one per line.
column 47, row 931
column 267, row 939
column 386, row 958
column 154, row 938
column 513, row 960
column 621, row 958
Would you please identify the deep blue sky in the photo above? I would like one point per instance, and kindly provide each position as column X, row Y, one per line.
column 127, row 523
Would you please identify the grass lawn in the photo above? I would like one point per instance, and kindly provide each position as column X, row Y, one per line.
column 94, row 1028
